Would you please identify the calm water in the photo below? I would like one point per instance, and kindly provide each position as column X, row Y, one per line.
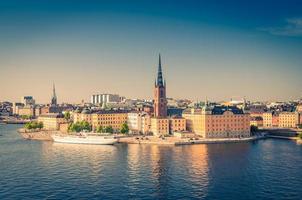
column 267, row 169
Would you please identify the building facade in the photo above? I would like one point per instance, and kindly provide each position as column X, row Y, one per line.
column 288, row 119
column 139, row 122
column 98, row 99
column 218, row 122
column 52, row 121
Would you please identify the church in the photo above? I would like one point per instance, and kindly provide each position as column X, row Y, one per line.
column 161, row 124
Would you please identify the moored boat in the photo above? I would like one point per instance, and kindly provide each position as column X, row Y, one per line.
column 84, row 138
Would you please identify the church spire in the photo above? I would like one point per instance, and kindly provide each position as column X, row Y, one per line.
column 54, row 96
column 159, row 73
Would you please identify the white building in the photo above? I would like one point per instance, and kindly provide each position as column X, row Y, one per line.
column 105, row 98
column 139, row 122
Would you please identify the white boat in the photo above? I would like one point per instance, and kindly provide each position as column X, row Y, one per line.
column 84, row 138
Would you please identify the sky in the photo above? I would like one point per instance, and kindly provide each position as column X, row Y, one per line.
column 210, row 49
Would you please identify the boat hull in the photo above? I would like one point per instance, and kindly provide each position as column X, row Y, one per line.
column 96, row 140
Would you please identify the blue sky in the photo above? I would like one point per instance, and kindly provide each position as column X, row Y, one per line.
column 218, row 49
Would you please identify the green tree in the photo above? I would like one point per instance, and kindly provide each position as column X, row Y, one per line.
column 79, row 126
column 33, row 125
column 109, row 129
column 100, row 129
column 300, row 135
column 67, row 115
column 125, row 128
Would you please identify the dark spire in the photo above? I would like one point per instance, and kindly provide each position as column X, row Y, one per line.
column 159, row 73
column 54, row 96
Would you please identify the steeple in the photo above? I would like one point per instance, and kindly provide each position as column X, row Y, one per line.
column 54, row 96
column 159, row 81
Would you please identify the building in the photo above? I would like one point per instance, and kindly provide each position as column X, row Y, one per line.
column 288, row 119
column 160, row 101
column 52, row 121
column 100, row 99
column 267, row 119
column 218, row 122
column 27, row 100
column 256, row 121
column 104, row 118
column 161, row 124
column 177, row 124
column 139, row 122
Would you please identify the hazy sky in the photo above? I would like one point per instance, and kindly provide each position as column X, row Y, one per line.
column 219, row 49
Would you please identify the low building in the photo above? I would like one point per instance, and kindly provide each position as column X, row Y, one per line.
column 256, row 121
column 139, row 122
column 218, row 122
column 288, row 119
column 177, row 124
column 104, row 118
column 52, row 121
column 160, row 126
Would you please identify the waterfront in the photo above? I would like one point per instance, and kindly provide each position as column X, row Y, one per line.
column 264, row 169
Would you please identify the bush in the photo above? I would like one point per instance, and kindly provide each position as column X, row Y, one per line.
column 79, row 126
column 125, row 128
column 33, row 125
column 300, row 135
column 108, row 129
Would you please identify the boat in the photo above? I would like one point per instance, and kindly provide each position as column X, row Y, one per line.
column 85, row 138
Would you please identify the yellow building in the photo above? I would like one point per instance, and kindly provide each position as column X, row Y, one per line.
column 218, row 122
column 256, row 121
column 104, row 118
column 52, row 121
column 160, row 126
column 267, row 119
column 288, row 120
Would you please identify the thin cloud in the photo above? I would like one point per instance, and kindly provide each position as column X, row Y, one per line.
column 293, row 27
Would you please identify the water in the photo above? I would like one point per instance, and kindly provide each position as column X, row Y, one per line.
column 266, row 169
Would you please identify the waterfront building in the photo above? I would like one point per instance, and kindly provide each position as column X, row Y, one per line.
column 218, row 121
column 256, row 121
column 27, row 100
column 139, row 122
column 104, row 118
column 177, row 124
column 288, row 119
column 103, row 99
column 52, row 121
column 160, row 126
column 270, row 119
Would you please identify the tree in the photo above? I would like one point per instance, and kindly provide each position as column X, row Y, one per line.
column 108, row 129
column 300, row 135
column 67, row 115
column 300, row 126
column 33, row 125
column 125, row 128
column 100, row 129
column 80, row 126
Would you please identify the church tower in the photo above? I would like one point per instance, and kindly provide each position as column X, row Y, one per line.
column 160, row 101
column 54, row 96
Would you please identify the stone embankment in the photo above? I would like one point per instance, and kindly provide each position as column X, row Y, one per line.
column 183, row 141
column 37, row 134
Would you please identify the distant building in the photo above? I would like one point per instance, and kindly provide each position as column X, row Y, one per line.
column 139, row 122
column 288, row 119
column 104, row 118
column 100, row 99
column 52, row 121
column 27, row 100
column 218, row 122
column 256, row 121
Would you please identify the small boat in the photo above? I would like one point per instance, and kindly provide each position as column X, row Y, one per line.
column 85, row 138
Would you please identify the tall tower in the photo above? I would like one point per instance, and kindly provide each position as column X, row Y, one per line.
column 160, row 101
column 54, row 96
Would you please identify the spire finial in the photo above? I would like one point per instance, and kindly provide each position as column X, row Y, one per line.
column 159, row 73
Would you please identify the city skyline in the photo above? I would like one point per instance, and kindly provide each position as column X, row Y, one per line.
column 102, row 47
